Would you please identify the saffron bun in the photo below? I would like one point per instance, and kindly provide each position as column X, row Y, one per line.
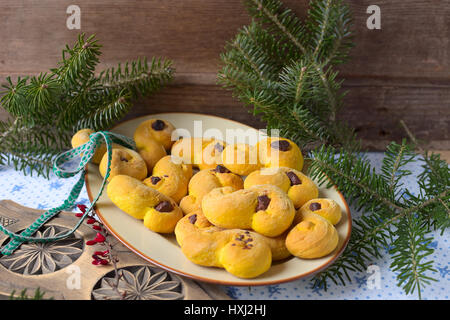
column 159, row 212
column 279, row 152
column 185, row 149
column 211, row 155
column 82, row 136
column 153, row 140
column 312, row 237
column 264, row 208
column 170, row 177
column 243, row 253
column 240, row 158
column 205, row 181
column 157, row 130
column 202, row 153
column 327, row 208
column 124, row 161
column 298, row 186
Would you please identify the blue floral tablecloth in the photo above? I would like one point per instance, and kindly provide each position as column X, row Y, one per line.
column 42, row 193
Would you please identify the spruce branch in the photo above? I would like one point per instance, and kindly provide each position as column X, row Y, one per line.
column 29, row 148
column 434, row 179
column 79, row 62
column 38, row 295
column 13, row 97
column 47, row 109
column 393, row 221
column 328, row 26
column 321, row 13
column 410, row 252
column 255, row 62
column 139, row 77
column 281, row 21
column 277, row 52
column 330, row 23
column 358, row 179
column 115, row 106
column 396, row 157
column 295, row 78
column 284, row 68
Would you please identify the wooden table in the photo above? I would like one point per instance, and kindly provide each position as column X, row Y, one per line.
column 399, row 72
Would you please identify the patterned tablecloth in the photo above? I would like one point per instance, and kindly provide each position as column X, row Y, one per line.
column 40, row 193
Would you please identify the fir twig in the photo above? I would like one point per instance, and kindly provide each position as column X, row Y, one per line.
column 390, row 217
column 410, row 251
column 434, row 179
column 283, row 67
column 47, row 109
column 396, row 157
column 38, row 295
column 139, row 77
column 79, row 62
column 295, row 79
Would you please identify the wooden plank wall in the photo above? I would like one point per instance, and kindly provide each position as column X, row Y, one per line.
column 399, row 72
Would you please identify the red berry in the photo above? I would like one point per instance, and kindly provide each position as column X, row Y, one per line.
column 79, row 215
column 90, row 221
column 91, row 242
column 98, row 228
column 100, row 237
column 104, row 262
column 82, row 207
column 101, row 253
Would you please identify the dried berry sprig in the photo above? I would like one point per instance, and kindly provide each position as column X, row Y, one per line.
column 107, row 256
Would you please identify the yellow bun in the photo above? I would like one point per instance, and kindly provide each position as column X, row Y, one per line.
column 298, row 186
column 313, row 237
column 200, row 152
column 211, row 155
column 124, row 162
column 157, row 130
column 159, row 212
column 170, row 178
column 206, row 180
column 185, row 148
column 82, row 136
column 153, row 139
column 245, row 254
column 240, row 158
column 327, row 208
column 263, row 208
column 280, row 152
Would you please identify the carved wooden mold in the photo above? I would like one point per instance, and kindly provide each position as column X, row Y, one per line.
column 64, row 270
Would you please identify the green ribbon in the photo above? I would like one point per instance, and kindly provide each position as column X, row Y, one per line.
column 87, row 150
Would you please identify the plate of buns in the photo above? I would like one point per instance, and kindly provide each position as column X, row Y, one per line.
column 216, row 200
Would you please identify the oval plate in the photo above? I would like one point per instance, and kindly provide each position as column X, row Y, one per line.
column 163, row 250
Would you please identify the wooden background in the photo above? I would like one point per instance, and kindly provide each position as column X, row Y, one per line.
column 399, row 72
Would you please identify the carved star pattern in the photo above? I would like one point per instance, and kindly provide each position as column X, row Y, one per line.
column 141, row 283
column 42, row 258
